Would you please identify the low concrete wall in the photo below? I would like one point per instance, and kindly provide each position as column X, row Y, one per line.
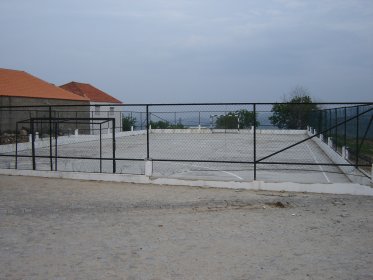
column 350, row 171
column 338, row 188
column 187, row 130
column 233, row 131
column 282, row 131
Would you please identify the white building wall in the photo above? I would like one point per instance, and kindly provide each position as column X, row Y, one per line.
column 103, row 110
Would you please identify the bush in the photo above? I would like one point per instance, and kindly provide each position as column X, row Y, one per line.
column 128, row 122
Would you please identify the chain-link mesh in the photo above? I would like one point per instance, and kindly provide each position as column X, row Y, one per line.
column 348, row 131
column 273, row 142
column 203, row 141
column 15, row 132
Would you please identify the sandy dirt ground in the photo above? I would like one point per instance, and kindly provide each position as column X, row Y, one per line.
column 66, row 229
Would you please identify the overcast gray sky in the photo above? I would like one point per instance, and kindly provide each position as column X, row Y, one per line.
column 149, row 51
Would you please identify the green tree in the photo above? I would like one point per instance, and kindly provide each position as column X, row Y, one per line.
column 245, row 118
column 294, row 113
column 165, row 125
column 179, row 125
column 128, row 122
column 229, row 121
column 159, row 124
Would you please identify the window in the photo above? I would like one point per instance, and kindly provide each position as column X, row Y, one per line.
column 111, row 113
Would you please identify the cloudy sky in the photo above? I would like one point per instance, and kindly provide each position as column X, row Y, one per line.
column 154, row 51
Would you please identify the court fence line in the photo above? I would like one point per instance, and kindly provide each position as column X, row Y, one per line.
column 343, row 131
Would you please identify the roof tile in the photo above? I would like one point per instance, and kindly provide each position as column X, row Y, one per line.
column 90, row 92
column 21, row 84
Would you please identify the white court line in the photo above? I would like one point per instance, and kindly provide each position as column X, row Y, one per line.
column 232, row 174
column 193, row 165
column 314, row 158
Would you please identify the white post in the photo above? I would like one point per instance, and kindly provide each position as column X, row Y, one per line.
column 36, row 136
column 346, row 154
column 314, row 131
column 330, row 143
column 76, row 132
column 343, row 152
column 148, row 167
column 30, row 138
column 131, row 127
column 199, row 127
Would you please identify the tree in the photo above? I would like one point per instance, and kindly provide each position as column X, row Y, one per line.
column 128, row 122
column 165, row 125
column 293, row 113
column 179, row 125
column 229, row 121
column 245, row 118
column 159, row 124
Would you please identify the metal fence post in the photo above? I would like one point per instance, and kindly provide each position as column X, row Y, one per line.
column 345, row 129
column 55, row 145
column 357, row 137
column 147, row 132
column 114, row 146
column 325, row 124
column 92, row 132
column 16, row 159
column 37, row 116
column 120, row 122
column 320, row 120
column 336, row 129
column 330, row 123
column 33, row 144
column 100, row 148
column 254, row 109
column 50, row 139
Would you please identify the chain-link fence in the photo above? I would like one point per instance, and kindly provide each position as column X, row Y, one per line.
column 230, row 141
column 348, row 131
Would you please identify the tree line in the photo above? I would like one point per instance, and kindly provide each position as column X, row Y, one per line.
column 292, row 113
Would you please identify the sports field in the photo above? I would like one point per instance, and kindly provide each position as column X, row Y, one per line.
column 184, row 155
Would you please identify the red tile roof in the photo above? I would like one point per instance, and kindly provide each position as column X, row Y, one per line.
column 21, row 84
column 90, row 92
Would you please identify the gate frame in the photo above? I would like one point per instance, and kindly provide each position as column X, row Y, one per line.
column 56, row 122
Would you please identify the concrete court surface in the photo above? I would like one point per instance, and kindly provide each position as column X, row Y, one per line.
column 66, row 229
column 184, row 146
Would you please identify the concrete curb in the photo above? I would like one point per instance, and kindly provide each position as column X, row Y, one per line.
column 350, row 171
column 334, row 188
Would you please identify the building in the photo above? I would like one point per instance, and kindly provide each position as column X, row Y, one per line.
column 19, row 88
column 102, row 104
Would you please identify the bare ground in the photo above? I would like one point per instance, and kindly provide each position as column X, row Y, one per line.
column 66, row 229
